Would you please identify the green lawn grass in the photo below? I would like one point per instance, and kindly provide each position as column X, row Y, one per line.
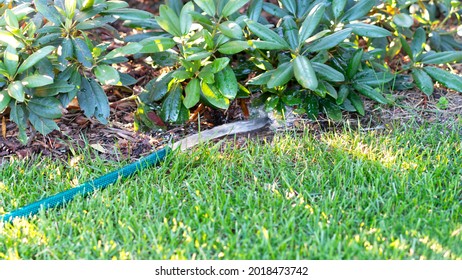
column 393, row 194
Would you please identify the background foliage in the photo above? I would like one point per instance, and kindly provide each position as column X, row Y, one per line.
column 320, row 56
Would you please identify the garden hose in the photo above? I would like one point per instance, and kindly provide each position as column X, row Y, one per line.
column 127, row 171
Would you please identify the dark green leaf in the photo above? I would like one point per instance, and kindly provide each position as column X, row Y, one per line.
column 332, row 110
column 129, row 14
column 330, row 41
column 107, row 75
column 267, row 34
column 418, row 41
column 231, row 29
column 327, row 73
column 86, row 98
column 37, row 80
column 311, row 22
column 43, row 125
column 267, row 45
column 16, row 91
column 102, row 109
column 208, row 6
column 311, row 106
column 226, row 82
column 233, row 47
column 342, row 94
column 171, row 106
column 370, row 92
column 47, row 107
column 232, row 6
column 423, row 81
column 49, row 12
column 443, row 57
column 186, row 18
column 359, row 10
column 129, row 49
column 83, row 53
column 156, row 44
column 282, row 75
column 357, row 103
column 406, row 47
column 338, row 6
column 371, row 78
column 403, row 20
column 289, row 5
column 67, row 51
column 261, row 79
column 445, row 78
column 11, row 60
column 274, row 10
column 213, row 96
column 369, row 30
column 290, row 32
column 304, row 73
column 169, row 20
column 53, row 89
column 193, row 93
column 254, row 10
column 4, row 100
column 159, row 88
column 354, row 63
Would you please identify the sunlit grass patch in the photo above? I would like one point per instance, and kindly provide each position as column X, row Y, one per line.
column 394, row 194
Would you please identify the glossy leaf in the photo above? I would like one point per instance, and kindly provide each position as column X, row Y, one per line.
column 186, row 18
column 43, row 125
column 37, row 80
column 359, row 10
column 370, row 93
column 274, row 10
column 47, row 107
column 311, row 22
column 169, row 20
column 129, row 49
column 233, row 6
column 330, row 41
column 231, row 29
column 403, row 20
column 233, row 47
column 8, row 39
column 86, row 98
column 332, row 110
column 193, row 93
column 442, row 57
column 369, row 30
column 34, row 58
column 445, row 78
column 371, row 78
column 48, row 11
column 208, row 6
column 254, row 10
column 171, row 106
column 219, row 64
column 107, row 75
column 338, row 7
column 290, row 32
column 213, row 96
column 327, row 73
column 4, row 100
column 304, row 73
column 357, row 102
column 11, row 60
column 156, row 44
column 290, row 5
column 354, row 63
column 282, row 75
column 226, row 82
column 418, row 41
column 102, row 109
column 423, row 81
column 343, row 93
column 16, row 91
column 267, row 34
column 83, row 53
